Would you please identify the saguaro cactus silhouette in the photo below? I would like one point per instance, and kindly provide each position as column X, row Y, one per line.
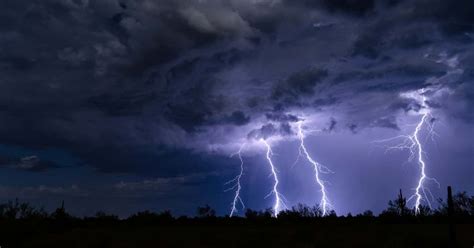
column 452, row 232
column 399, row 205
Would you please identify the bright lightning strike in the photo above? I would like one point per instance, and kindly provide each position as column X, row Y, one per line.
column 413, row 144
column 279, row 204
column 237, row 186
column 415, row 138
column 317, row 167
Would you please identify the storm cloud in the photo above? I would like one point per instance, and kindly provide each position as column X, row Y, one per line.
column 121, row 84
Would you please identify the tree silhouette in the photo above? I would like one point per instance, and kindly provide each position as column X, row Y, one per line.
column 101, row 215
column 60, row 213
column 147, row 217
column 463, row 205
column 21, row 210
column 19, row 226
column 397, row 207
column 10, row 210
column 366, row 214
column 253, row 215
column 301, row 211
column 206, row 212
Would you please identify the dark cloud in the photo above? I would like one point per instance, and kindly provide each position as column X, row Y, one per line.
column 151, row 161
column 127, row 103
column 350, row 7
column 264, row 132
column 299, row 84
column 285, row 129
column 406, row 105
column 279, row 117
column 238, row 118
column 453, row 18
column 29, row 163
column 269, row 130
column 322, row 102
column 353, row 127
column 41, row 191
column 163, row 185
column 332, row 125
column 123, row 84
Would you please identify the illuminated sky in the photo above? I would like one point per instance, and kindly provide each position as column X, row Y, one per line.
column 130, row 105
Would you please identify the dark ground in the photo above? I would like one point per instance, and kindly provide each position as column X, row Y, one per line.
column 451, row 225
column 343, row 234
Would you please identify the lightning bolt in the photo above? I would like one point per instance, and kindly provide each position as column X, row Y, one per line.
column 237, row 186
column 317, row 167
column 414, row 145
column 421, row 162
column 279, row 204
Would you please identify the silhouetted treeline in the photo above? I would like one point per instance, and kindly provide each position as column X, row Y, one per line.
column 463, row 210
column 22, row 225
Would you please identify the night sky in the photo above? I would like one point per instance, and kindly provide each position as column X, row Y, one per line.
column 124, row 106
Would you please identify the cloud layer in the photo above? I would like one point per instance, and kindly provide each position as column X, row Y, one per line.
column 125, row 84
